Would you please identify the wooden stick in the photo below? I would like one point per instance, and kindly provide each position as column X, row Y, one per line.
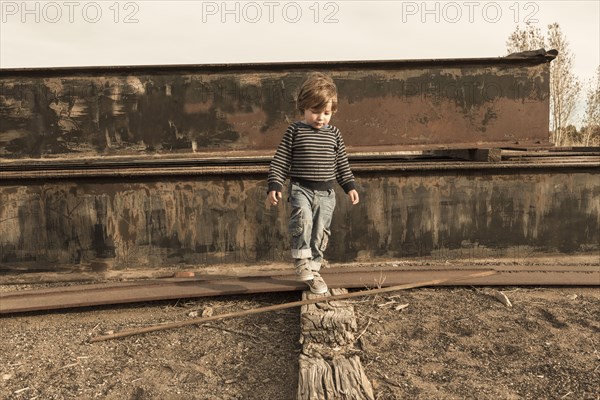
column 277, row 307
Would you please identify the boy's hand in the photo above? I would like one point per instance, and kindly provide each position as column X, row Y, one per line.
column 353, row 194
column 273, row 197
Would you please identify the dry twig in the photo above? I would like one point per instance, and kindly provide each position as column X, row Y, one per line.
column 277, row 307
column 364, row 330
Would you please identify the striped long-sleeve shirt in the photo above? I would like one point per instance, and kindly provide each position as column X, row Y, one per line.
column 315, row 158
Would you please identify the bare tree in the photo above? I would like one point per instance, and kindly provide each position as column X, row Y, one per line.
column 591, row 121
column 530, row 38
column 564, row 86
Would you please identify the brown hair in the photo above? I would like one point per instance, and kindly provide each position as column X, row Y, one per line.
column 316, row 92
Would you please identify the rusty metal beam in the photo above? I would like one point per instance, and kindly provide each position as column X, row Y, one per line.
column 82, row 113
column 533, row 59
column 206, row 215
column 205, row 286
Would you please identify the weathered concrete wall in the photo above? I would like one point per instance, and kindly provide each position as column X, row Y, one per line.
column 204, row 220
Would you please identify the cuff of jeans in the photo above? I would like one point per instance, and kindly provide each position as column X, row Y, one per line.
column 301, row 253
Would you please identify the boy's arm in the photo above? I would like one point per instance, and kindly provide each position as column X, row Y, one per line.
column 281, row 163
column 343, row 173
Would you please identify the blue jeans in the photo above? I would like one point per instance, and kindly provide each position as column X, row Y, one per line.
column 309, row 223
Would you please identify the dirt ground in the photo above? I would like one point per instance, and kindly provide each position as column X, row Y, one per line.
column 427, row 343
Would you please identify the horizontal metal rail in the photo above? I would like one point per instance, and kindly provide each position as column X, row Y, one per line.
column 277, row 66
column 259, row 165
column 204, row 286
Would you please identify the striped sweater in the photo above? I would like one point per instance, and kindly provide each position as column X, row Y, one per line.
column 316, row 158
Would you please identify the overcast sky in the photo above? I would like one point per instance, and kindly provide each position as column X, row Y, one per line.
column 150, row 32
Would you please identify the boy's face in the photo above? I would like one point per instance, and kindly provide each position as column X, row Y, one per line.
column 318, row 118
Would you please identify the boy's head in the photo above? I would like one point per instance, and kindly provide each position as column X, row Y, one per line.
column 316, row 93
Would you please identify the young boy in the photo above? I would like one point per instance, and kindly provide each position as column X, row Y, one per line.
column 313, row 155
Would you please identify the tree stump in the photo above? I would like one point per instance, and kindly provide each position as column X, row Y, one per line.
column 329, row 364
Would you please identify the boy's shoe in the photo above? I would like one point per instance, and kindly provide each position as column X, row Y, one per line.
column 317, row 285
column 303, row 272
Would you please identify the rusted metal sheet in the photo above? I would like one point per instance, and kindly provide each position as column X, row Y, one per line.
column 146, row 111
column 119, row 223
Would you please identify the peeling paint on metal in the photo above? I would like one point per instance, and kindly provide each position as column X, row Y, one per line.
column 153, row 224
column 158, row 113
